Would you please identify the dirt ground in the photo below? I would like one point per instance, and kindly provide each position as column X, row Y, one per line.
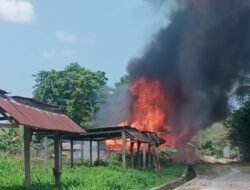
column 221, row 178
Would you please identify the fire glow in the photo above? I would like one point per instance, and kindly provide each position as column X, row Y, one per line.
column 149, row 108
column 148, row 111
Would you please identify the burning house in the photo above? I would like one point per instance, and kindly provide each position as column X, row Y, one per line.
column 182, row 81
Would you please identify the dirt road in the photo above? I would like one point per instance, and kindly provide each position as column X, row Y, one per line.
column 222, row 178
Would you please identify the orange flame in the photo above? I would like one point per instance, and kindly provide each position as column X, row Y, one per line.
column 148, row 112
column 149, row 107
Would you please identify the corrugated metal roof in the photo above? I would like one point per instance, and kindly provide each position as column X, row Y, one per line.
column 38, row 118
column 138, row 135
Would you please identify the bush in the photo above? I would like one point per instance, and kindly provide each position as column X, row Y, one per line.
column 114, row 159
column 213, row 140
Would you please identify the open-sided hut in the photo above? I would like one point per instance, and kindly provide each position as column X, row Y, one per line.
column 36, row 117
column 126, row 134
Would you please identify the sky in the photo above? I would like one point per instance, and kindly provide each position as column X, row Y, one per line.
column 98, row 34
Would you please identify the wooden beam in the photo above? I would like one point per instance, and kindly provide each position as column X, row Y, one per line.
column 5, row 125
column 3, row 119
column 71, row 153
column 90, row 153
column 144, row 161
column 27, row 164
column 82, row 152
column 98, row 152
column 124, row 148
column 132, row 153
column 57, row 168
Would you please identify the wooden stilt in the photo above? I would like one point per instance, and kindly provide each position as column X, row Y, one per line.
column 138, row 154
column 57, row 168
column 153, row 157
column 98, row 152
column 61, row 156
column 71, row 153
column 132, row 153
column 27, row 164
column 149, row 156
column 124, row 148
column 46, row 149
column 82, row 152
column 144, row 161
column 90, row 153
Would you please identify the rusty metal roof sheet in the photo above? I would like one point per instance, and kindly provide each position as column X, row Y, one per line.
column 138, row 135
column 38, row 118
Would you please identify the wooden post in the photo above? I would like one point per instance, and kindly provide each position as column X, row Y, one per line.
column 124, row 148
column 132, row 152
column 46, row 149
column 82, row 150
column 98, row 152
column 27, row 164
column 153, row 157
column 144, row 156
column 90, row 152
column 138, row 154
column 61, row 156
column 71, row 153
column 149, row 156
column 57, row 168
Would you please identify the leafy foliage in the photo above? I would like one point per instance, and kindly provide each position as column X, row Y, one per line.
column 124, row 80
column 239, row 126
column 78, row 91
column 11, row 140
column 213, row 140
column 94, row 178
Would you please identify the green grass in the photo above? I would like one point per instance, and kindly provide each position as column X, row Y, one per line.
column 83, row 177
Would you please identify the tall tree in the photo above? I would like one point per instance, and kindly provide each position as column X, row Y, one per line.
column 239, row 127
column 77, row 90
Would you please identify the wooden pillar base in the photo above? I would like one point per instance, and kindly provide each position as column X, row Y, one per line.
column 124, row 148
column 98, row 152
column 27, row 164
column 144, row 159
column 90, row 153
column 82, row 152
column 132, row 153
column 57, row 169
column 71, row 153
column 138, row 155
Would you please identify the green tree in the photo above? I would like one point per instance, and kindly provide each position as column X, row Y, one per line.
column 124, row 80
column 77, row 90
column 239, row 129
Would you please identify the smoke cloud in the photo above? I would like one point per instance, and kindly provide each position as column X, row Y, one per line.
column 198, row 58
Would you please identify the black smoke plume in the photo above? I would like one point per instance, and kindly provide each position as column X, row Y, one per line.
column 198, row 58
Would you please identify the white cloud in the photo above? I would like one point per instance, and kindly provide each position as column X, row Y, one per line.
column 68, row 38
column 16, row 11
